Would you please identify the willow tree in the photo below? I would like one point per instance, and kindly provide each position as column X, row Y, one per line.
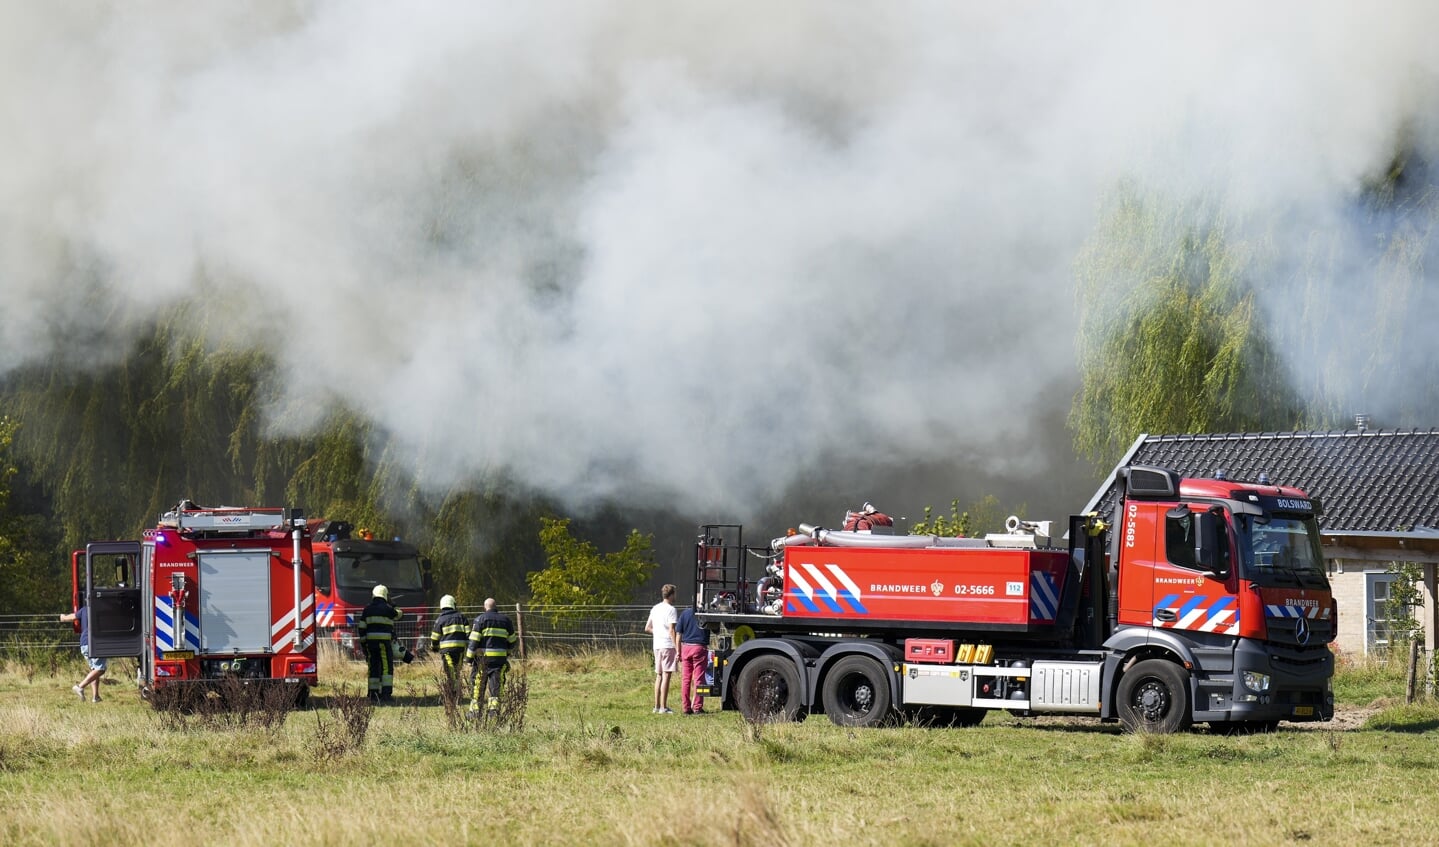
column 1170, row 336
column 180, row 415
column 31, row 575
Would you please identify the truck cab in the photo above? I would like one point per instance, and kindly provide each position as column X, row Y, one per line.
column 349, row 563
column 1228, row 578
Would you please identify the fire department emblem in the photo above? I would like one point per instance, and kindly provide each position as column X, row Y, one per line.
column 1199, row 582
column 937, row 587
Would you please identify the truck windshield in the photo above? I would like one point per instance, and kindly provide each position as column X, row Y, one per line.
column 366, row 570
column 1281, row 550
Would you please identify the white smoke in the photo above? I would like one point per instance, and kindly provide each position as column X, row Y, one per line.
column 672, row 252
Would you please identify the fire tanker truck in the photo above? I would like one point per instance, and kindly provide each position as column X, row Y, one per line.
column 206, row 596
column 1194, row 600
column 348, row 566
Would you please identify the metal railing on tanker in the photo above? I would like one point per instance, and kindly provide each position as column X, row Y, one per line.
column 732, row 578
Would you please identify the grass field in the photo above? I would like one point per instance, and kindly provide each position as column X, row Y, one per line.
column 591, row 765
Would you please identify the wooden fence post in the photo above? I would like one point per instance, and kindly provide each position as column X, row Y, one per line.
column 520, row 629
column 1413, row 670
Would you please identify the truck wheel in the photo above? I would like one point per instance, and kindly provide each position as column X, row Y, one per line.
column 856, row 692
column 769, row 690
column 1154, row 697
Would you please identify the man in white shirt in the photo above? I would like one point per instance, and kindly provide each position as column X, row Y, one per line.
column 661, row 623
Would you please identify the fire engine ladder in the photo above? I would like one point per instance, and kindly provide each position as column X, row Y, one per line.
column 224, row 520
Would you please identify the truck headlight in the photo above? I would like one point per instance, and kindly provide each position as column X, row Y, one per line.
column 1256, row 682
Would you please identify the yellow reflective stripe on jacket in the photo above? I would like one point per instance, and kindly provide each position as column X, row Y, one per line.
column 454, row 635
column 376, row 622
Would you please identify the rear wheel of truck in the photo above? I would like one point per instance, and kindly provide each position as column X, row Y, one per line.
column 856, row 692
column 769, row 690
column 1154, row 697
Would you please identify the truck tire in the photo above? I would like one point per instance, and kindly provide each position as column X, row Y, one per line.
column 769, row 690
column 1154, row 697
column 856, row 692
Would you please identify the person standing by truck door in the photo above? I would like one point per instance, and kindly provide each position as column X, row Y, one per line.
column 491, row 637
column 661, row 624
column 694, row 659
column 449, row 637
column 97, row 666
column 376, row 628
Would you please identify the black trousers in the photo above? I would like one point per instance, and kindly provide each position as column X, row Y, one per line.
column 382, row 669
column 492, row 678
column 453, row 659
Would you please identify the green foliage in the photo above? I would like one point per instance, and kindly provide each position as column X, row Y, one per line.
column 579, row 575
column 956, row 525
column 1169, row 335
column 983, row 515
column 1174, row 336
column 30, row 577
column 102, row 451
column 1406, row 596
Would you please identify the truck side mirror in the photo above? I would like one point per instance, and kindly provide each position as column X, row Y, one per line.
column 1196, row 540
column 427, row 581
column 1211, row 551
column 1180, row 540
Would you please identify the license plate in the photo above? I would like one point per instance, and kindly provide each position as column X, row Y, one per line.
column 177, row 655
column 1303, row 710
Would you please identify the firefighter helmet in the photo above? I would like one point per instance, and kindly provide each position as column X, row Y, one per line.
column 381, row 591
column 447, row 601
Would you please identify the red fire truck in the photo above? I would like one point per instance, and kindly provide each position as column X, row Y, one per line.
column 207, row 595
column 1196, row 600
column 348, row 566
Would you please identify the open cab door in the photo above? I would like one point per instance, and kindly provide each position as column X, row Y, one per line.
column 112, row 594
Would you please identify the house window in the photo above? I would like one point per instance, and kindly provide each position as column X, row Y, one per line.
column 1377, row 589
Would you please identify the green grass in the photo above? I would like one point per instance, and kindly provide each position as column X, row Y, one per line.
column 592, row 765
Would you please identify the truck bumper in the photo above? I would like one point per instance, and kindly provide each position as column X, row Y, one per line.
column 1270, row 682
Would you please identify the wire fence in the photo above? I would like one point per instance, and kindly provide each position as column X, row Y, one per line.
column 542, row 628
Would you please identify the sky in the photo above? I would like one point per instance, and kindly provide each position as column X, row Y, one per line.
column 702, row 257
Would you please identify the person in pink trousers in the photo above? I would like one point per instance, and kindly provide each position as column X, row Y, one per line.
column 694, row 660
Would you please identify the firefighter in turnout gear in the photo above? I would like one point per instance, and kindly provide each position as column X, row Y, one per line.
column 491, row 637
column 376, row 627
column 449, row 638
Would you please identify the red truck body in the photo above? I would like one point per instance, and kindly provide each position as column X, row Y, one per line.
column 349, row 564
column 1196, row 600
column 207, row 595
column 991, row 587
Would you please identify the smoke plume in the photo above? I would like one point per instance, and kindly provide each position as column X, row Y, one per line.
column 688, row 255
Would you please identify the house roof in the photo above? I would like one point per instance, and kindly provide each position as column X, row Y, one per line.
column 1373, row 481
